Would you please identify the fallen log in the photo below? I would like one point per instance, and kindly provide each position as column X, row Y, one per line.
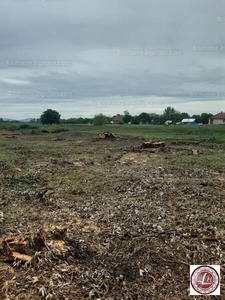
column 150, row 144
column 107, row 135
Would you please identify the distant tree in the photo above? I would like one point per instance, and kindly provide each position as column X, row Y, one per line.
column 205, row 118
column 100, row 119
column 50, row 117
column 197, row 118
column 185, row 115
column 159, row 119
column 1, row 120
column 135, row 120
column 171, row 114
column 127, row 118
column 177, row 117
column 144, row 118
column 169, row 111
column 76, row 121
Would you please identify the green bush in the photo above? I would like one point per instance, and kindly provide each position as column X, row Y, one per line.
column 26, row 126
column 100, row 119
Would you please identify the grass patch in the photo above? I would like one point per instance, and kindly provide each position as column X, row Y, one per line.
column 58, row 130
column 209, row 161
column 2, row 157
column 211, row 135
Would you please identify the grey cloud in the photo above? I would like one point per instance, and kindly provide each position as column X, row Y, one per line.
column 88, row 34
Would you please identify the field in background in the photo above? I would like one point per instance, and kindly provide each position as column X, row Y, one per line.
column 104, row 219
column 198, row 133
column 210, row 136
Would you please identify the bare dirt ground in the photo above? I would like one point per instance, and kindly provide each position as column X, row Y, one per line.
column 84, row 218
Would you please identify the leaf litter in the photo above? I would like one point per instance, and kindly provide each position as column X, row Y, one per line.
column 131, row 234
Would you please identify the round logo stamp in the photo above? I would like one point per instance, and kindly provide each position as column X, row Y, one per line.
column 205, row 280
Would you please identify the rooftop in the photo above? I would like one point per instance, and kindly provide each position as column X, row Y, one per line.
column 220, row 115
column 188, row 120
column 118, row 117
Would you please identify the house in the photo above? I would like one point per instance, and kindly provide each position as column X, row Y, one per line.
column 189, row 121
column 118, row 119
column 218, row 118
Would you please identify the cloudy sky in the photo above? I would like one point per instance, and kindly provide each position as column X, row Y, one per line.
column 82, row 57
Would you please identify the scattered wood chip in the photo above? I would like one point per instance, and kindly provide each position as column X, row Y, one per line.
column 34, row 279
column 18, row 169
column 194, row 151
column 59, row 243
column 23, row 257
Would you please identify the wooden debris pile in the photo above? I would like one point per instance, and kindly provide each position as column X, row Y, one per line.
column 153, row 147
column 23, row 248
column 107, row 135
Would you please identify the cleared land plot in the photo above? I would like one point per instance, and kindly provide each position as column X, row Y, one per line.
column 85, row 218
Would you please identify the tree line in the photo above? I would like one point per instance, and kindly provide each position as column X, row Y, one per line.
column 170, row 114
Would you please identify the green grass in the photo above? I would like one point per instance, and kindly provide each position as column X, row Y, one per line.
column 2, row 157
column 206, row 161
column 210, row 134
column 43, row 146
column 204, row 133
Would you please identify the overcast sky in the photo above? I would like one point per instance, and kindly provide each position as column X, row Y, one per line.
column 83, row 57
